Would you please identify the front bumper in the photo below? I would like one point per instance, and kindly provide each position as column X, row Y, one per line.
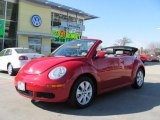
column 39, row 87
column 44, row 93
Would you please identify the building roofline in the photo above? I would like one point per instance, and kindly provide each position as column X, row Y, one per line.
column 58, row 6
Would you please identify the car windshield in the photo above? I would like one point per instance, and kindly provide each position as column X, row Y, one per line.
column 19, row 51
column 75, row 48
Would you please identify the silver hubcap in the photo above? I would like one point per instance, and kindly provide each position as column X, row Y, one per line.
column 84, row 93
column 9, row 69
column 140, row 78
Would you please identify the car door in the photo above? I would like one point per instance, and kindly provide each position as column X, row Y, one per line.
column 126, row 62
column 109, row 71
column 2, row 59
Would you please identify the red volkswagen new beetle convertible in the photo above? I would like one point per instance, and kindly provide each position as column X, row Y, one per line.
column 78, row 71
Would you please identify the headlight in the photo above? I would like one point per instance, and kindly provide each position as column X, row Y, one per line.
column 57, row 73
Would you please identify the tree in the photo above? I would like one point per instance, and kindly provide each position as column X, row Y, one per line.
column 123, row 41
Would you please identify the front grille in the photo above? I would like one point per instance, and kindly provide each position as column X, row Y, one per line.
column 26, row 92
column 45, row 95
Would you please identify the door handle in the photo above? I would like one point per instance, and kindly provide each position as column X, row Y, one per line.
column 122, row 62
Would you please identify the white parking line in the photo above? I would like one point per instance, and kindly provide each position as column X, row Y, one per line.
column 6, row 78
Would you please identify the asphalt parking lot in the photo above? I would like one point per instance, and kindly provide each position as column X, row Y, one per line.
column 122, row 104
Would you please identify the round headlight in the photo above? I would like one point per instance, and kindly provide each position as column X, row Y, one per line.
column 57, row 73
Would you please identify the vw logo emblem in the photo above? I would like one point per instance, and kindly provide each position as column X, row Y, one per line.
column 36, row 20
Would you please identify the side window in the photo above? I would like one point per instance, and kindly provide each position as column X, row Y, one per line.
column 8, row 52
column 2, row 52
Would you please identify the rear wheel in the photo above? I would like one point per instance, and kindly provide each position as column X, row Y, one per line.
column 139, row 80
column 82, row 93
column 10, row 70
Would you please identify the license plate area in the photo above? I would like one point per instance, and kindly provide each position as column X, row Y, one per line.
column 21, row 86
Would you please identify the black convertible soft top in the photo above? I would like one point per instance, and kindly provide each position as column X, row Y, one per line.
column 120, row 49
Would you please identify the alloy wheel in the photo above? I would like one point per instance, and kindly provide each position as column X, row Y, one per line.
column 140, row 78
column 84, row 93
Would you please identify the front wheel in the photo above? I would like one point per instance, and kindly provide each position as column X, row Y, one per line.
column 139, row 80
column 82, row 93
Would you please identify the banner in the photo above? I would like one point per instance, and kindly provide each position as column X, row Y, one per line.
column 63, row 36
column 2, row 31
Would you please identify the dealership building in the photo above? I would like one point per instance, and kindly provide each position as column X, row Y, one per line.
column 39, row 24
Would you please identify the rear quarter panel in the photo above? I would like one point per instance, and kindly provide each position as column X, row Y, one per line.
column 136, row 65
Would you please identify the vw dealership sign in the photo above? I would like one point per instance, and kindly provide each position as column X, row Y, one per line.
column 36, row 20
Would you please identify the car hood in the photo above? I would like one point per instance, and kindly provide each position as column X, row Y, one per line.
column 40, row 65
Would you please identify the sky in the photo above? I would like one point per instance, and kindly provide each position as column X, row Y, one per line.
column 138, row 20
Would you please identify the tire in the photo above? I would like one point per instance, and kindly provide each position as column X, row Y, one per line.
column 10, row 70
column 139, row 80
column 82, row 93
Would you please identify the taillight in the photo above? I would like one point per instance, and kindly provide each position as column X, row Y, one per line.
column 23, row 58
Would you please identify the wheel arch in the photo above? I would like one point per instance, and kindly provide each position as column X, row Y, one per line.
column 141, row 67
column 72, row 98
column 136, row 66
column 8, row 64
column 135, row 83
column 88, row 75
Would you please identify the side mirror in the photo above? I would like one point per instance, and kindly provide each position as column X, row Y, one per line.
column 100, row 54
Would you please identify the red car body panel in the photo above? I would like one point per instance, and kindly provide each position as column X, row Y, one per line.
column 154, row 58
column 108, row 73
column 145, row 57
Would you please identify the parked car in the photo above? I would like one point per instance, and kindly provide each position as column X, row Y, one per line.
column 145, row 57
column 76, row 72
column 12, row 59
column 158, row 57
column 154, row 58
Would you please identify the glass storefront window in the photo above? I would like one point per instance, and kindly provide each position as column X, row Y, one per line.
column 80, row 21
column 12, row 10
column 10, row 30
column 72, row 19
column 2, row 9
column 8, row 24
column 56, row 17
column 59, row 17
column 64, row 18
column 35, row 44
